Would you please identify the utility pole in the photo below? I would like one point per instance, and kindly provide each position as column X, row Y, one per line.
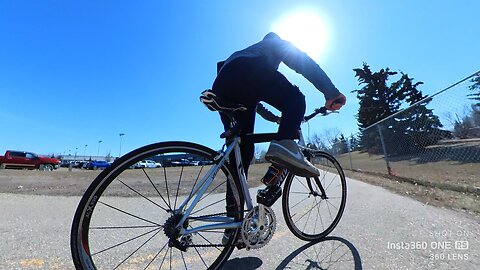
column 120, row 150
column 98, row 149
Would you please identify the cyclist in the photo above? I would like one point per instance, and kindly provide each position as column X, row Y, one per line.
column 250, row 76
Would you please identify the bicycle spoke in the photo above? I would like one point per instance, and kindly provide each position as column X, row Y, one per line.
column 183, row 259
column 298, row 192
column 166, row 186
column 331, row 182
column 308, row 217
column 164, row 256
column 201, row 258
column 211, row 191
column 132, row 215
column 308, row 211
column 135, row 251
column 219, row 201
column 316, row 220
column 328, row 208
column 143, row 195
column 124, row 242
column 155, row 187
column 208, row 240
column 125, row 227
column 306, row 198
column 154, row 257
column 306, row 188
column 194, row 184
column 328, row 202
column 321, row 219
column 178, row 187
column 323, row 178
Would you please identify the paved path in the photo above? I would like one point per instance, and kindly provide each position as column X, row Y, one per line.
column 376, row 232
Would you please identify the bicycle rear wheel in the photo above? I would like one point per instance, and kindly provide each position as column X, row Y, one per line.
column 312, row 207
column 124, row 217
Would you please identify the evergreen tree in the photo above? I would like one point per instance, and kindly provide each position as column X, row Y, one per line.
column 377, row 101
column 406, row 132
column 420, row 127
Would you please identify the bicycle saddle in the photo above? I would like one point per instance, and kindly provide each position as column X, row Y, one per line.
column 215, row 103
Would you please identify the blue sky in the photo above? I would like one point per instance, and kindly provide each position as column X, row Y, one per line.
column 76, row 72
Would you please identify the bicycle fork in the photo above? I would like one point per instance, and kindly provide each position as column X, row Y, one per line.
column 313, row 192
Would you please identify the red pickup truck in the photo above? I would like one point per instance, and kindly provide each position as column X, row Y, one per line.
column 27, row 160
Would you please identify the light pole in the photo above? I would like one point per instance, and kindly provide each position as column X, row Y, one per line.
column 120, row 150
column 98, row 149
column 84, row 152
column 75, row 158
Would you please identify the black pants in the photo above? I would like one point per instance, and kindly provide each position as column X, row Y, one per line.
column 248, row 81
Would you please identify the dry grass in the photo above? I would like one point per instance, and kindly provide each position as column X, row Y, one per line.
column 444, row 183
column 462, row 201
column 443, row 173
column 74, row 183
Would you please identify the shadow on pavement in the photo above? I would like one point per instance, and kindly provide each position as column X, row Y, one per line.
column 329, row 253
column 332, row 252
column 247, row 263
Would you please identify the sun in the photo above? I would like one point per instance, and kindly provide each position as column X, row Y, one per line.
column 306, row 30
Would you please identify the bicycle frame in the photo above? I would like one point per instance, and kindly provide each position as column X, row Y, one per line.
column 204, row 183
column 201, row 187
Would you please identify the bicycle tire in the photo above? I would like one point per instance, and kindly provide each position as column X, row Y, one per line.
column 105, row 221
column 297, row 197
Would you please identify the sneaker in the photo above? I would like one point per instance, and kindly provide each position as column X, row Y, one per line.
column 286, row 153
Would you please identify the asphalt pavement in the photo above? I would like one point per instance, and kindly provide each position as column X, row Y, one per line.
column 379, row 230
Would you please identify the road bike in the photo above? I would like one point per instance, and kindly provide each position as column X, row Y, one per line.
column 192, row 216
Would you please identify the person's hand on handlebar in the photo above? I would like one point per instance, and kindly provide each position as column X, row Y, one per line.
column 336, row 103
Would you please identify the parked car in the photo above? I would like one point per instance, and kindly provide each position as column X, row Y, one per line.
column 182, row 162
column 65, row 163
column 147, row 164
column 96, row 164
column 195, row 162
column 79, row 164
column 27, row 160
column 205, row 162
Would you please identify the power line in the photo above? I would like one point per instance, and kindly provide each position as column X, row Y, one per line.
column 428, row 98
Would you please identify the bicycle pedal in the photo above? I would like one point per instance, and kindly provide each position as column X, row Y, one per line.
column 240, row 245
column 269, row 195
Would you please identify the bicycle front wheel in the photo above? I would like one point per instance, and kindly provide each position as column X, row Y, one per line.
column 312, row 207
column 127, row 217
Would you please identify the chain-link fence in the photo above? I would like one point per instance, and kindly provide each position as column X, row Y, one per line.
column 435, row 142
